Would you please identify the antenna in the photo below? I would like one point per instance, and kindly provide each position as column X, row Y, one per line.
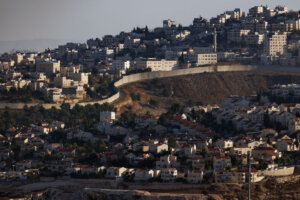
column 215, row 40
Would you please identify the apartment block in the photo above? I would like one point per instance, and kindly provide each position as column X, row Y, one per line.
column 156, row 65
column 275, row 44
column 48, row 66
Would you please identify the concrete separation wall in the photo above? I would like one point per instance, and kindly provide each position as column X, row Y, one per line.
column 161, row 74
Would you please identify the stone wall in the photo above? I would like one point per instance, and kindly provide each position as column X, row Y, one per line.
column 162, row 74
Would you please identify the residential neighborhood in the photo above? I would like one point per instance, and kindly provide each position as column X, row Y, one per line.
column 98, row 114
column 200, row 145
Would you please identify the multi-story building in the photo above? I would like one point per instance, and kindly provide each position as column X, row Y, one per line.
column 221, row 162
column 48, row 66
column 156, row 65
column 82, row 78
column 55, row 94
column 131, row 42
column 63, row 82
column 17, row 57
column 261, row 26
column 236, row 14
column 107, row 116
column 168, row 161
column 256, row 10
column 169, row 24
column 255, row 39
column 236, row 35
column 206, row 59
column 120, row 65
column 275, row 44
column 199, row 23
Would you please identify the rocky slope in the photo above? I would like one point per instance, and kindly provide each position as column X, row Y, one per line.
column 205, row 88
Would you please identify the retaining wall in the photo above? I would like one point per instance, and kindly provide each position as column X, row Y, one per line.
column 280, row 172
column 161, row 74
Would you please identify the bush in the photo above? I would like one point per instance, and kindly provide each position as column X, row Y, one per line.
column 135, row 97
column 154, row 102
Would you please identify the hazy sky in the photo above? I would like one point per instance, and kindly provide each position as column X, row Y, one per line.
column 84, row 19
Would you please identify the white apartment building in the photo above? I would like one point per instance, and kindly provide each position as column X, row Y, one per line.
column 206, row 59
column 120, row 65
column 156, row 65
column 275, row 45
column 48, row 66
column 168, row 161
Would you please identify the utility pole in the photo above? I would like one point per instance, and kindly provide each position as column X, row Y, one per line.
column 215, row 40
column 249, row 174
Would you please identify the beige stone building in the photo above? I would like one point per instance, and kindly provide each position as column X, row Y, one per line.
column 48, row 66
column 62, row 82
column 156, row 65
column 275, row 45
column 17, row 57
column 203, row 58
column 82, row 78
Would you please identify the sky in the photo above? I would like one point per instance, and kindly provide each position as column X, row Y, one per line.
column 83, row 19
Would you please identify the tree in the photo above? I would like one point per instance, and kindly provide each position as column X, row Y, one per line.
column 267, row 119
column 181, row 58
column 128, row 117
column 154, row 102
column 146, row 30
column 176, row 108
column 95, row 70
column 171, row 142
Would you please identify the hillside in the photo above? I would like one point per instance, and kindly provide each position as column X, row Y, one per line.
column 205, row 88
